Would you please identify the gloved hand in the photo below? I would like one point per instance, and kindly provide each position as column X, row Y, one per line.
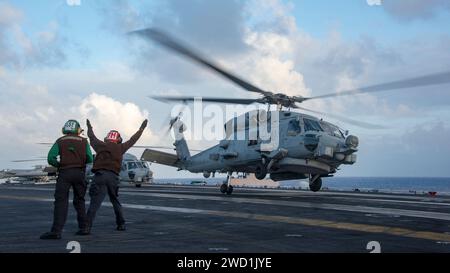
column 144, row 124
column 88, row 123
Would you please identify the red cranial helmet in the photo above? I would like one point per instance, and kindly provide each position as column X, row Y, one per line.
column 113, row 136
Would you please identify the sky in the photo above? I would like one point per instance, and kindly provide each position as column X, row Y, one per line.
column 63, row 59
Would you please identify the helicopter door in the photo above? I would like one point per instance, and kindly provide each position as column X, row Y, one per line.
column 294, row 128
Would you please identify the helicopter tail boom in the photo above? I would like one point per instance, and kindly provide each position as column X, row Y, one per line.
column 159, row 157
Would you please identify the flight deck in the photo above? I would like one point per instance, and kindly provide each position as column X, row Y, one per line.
column 199, row 219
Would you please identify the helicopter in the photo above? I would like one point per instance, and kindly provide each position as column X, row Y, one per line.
column 308, row 147
column 39, row 173
column 133, row 170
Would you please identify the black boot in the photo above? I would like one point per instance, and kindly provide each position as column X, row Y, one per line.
column 51, row 236
column 83, row 232
column 121, row 227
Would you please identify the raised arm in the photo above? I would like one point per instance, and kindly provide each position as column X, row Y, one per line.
column 92, row 138
column 89, row 156
column 127, row 145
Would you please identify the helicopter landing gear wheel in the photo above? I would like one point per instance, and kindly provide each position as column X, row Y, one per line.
column 315, row 183
column 226, row 188
column 223, row 188
column 229, row 190
column 261, row 171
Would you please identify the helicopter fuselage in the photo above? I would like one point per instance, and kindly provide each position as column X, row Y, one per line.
column 306, row 146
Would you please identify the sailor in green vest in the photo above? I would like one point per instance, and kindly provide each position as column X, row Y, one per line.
column 74, row 153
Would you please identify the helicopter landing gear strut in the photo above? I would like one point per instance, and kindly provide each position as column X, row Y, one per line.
column 226, row 188
column 315, row 182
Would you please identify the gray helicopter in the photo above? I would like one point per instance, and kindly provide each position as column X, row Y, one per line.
column 308, row 147
column 40, row 173
column 133, row 170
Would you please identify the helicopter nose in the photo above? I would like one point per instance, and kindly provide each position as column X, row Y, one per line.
column 311, row 141
column 352, row 142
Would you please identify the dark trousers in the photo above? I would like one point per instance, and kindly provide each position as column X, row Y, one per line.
column 105, row 182
column 68, row 178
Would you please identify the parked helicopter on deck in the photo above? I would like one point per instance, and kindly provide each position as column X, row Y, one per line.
column 133, row 171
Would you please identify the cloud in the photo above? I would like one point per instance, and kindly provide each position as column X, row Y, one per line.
column 264, row 56
column 107, row 114
column 120, row 16
column 415, row 9
column 426, row 138
column 421, row 150
column 280, row 57
column 194, row 21
column 332, row 64
column 9, row 15
column 19, row 49
column 262, row 41
column 198, row 20
column 269, row 64
column 32, row 113
column 271, row 15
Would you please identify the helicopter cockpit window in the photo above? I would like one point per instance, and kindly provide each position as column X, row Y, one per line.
column 294, row 128
column 312, row 125
column 132, row 165
column 332, row 130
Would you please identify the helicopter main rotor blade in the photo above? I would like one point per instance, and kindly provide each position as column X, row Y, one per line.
column 432, row 79
column 219, row 100
column 161, row 147
column 29, row 160
column 358, row 123
column 151, row 147
column 170, row 43
column 135, row 146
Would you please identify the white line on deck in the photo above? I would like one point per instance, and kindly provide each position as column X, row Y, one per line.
column 325, row 206
column 368, row 228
